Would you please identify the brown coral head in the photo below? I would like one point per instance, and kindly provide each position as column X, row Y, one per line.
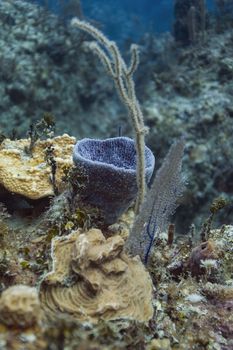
column 206, row 250
column 20, row 307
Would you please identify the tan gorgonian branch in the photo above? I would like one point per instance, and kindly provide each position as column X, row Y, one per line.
column 122, row 75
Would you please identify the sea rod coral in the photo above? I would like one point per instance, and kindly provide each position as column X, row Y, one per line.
column 122, row 75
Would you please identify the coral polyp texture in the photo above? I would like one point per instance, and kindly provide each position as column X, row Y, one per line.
column 20, row 307
column 30, row 175
column 93, row 279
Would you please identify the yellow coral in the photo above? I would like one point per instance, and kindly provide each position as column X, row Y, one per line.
column 27, row 175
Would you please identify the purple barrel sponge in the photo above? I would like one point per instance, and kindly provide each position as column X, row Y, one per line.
column 111, row 168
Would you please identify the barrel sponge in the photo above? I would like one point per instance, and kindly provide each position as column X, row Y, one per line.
column 111, row 168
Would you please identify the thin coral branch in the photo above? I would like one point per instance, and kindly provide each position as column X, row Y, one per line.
column 122, row 75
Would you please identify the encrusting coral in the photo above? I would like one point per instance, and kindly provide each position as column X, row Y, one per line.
column 93, row 279
column 30, row 176
column 20, row 307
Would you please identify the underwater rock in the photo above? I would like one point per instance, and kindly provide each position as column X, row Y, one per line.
column 30, row 176
column 20, row 307
column 93, row 279
column 111, row 168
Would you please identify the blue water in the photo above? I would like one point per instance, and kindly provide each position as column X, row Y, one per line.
column 126, row 19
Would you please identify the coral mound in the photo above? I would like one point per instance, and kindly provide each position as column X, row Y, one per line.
column 28, row 175
column 92, row 278
column 20, row 307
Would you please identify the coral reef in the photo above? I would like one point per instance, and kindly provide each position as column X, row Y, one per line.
column 93, row 279
column 189, row 92
column 44, row 67
column 92, row 295
column 195, row 312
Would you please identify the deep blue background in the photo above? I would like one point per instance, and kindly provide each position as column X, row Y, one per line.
column 123, row 19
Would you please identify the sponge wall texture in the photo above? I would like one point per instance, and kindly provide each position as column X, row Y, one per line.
column 111, row 168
